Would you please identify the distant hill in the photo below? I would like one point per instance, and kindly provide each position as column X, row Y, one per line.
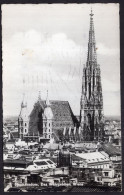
column 10, row 118
column 106, row 118
column 15, row 118
column 113, row 118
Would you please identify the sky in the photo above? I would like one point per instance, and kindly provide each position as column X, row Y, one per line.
column 44, row 47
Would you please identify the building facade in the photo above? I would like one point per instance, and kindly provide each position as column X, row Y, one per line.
column 91, row 105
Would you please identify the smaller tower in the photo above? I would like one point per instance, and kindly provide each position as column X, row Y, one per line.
column 47, row 120
column 23, row 121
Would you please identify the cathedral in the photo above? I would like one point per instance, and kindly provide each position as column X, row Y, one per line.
column 91, row 104
column 52, row 119
column 55, row 119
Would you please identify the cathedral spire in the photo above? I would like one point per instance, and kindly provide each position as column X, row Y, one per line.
column 91, row 57
column 91, row 104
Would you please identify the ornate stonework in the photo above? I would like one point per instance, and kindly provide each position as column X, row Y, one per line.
column 23, row 120
column 91, row 105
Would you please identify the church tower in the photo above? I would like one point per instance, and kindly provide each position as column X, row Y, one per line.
column 47, row 120
column 91, row 104
column 23, row 120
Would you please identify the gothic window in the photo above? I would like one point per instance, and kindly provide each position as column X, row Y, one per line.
column 89, row 90
column 49, row 130
column 25, row 130
column 85, row 80
column 89, row 118
column 25, row 124
column 49, row 124
column 49, row 136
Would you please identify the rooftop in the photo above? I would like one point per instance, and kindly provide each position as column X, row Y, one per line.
column 93, row 157
column 110, row 149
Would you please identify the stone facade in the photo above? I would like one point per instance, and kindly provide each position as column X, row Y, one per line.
column 23, row 121
column 47, row 121
column 91, row 105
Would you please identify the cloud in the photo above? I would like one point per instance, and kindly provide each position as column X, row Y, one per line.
column 102, row 49
column 34, row 61
column 42, row 63
column 110, row 86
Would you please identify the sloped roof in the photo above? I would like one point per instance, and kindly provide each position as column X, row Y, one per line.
column 14, row 134
column 76, row 158
column 110, row 149
column 88, row 145
column 93, row 157
column 61, row 111
column 62, row 116
column 52, row 146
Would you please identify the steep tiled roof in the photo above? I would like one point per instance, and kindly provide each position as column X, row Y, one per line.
column 61, row 111
column 62, row 116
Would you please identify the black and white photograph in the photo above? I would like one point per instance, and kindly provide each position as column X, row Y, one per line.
column 61, row 97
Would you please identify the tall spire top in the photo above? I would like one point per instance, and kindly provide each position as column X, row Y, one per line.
column 91, row 14
column 39, row 96
column 91, row 57
column 23, row 104
column 47, row 100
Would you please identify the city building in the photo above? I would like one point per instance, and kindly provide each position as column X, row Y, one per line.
column 92, row 160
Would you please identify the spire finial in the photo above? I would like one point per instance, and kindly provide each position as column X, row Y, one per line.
column 23, row 104
column 47, row 99
column 39, row 96
column 92, row 45
column 91, row 14
column 23, row 97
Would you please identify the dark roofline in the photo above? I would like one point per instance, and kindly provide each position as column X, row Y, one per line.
column 12, row 162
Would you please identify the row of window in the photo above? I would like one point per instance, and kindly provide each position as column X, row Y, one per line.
column 25, row 130
column 46, row 130
column 24, row 124
column 48, row 136
column 45, row 124
column 101, row 166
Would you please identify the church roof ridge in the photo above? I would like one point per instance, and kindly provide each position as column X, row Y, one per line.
column 64, row 101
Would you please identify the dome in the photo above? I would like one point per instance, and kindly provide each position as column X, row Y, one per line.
column 48, row 113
